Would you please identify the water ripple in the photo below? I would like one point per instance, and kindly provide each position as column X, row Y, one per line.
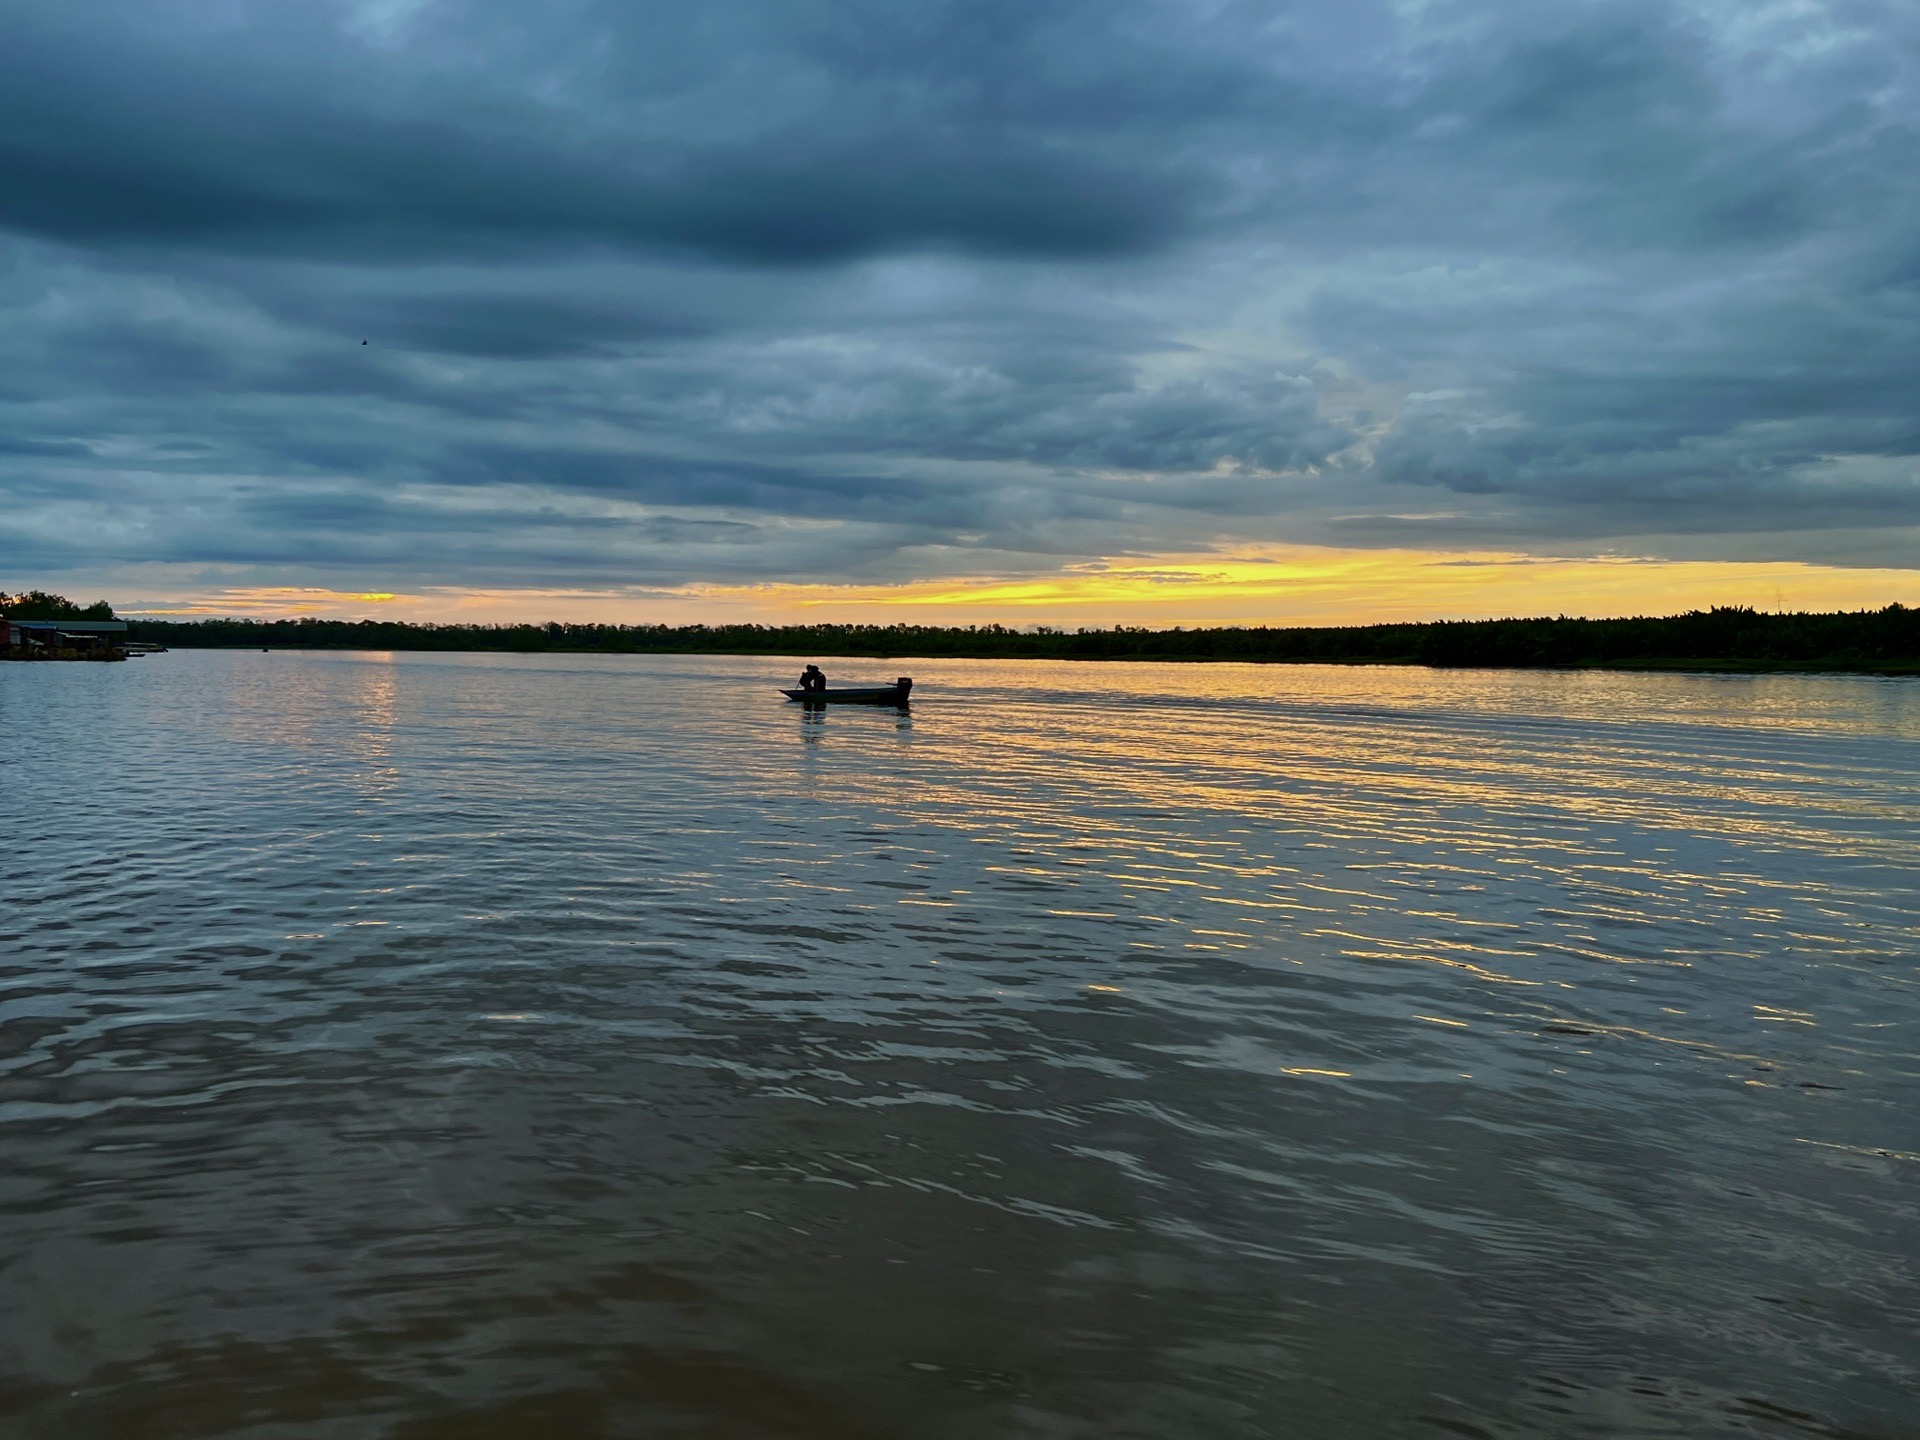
column 504, row 1046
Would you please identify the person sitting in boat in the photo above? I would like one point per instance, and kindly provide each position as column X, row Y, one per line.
column 813, row 678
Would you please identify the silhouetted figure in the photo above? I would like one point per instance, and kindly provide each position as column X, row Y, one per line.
column 813, row 678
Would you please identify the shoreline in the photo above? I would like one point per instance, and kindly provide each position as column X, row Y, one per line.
column 62, row 655
column 1699, row 665
column 1725, row 640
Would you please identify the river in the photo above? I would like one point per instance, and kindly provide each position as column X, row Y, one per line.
column 436, row 1046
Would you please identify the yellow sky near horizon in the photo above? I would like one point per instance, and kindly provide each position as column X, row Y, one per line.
column 1290, row 585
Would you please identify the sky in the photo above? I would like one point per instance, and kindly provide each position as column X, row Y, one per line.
column 1046, row 311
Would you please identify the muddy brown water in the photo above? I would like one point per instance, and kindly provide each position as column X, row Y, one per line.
column 485, row 1046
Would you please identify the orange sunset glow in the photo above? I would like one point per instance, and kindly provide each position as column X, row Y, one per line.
column 1296, row 585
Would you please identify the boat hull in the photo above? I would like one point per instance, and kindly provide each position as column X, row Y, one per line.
column 850, row 695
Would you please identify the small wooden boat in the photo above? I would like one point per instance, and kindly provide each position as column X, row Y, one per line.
column 894, row 694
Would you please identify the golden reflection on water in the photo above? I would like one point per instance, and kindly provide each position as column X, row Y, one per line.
column 1463, row 788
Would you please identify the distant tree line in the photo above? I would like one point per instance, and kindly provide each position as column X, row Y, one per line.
column 1726, row 637
column 39, row 605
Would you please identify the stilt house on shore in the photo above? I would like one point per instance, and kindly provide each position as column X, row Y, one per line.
column 61, row 639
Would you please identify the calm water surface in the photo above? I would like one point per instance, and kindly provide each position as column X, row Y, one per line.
column 484, row 1046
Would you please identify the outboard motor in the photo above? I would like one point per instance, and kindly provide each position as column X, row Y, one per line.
column 905, row 683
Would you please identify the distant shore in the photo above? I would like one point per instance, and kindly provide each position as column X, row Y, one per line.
column 1726, row 639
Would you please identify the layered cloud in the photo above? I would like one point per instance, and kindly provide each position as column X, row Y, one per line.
column 400, row 296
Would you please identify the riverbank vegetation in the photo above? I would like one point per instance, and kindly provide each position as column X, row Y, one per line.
column 39, row 605
column 1731, row 638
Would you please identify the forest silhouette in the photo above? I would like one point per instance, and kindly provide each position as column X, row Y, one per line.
column 1734, row 638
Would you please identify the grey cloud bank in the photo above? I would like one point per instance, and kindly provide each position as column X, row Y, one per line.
column 865, row 292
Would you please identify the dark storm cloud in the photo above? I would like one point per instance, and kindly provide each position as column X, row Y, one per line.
column 433, row 292
column 102, row 145
column 494, row 327
column 26, row 445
